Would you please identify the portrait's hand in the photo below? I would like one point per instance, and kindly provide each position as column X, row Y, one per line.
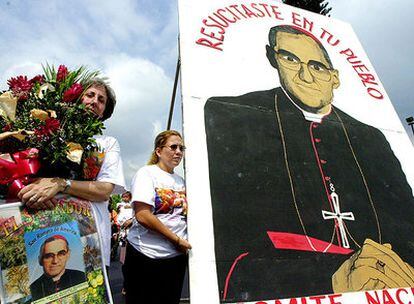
column 375, row 266
column 40, row 194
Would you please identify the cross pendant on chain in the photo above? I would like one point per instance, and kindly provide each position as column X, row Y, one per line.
column 340, row 217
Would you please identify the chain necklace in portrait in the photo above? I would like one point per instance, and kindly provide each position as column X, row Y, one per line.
column 338, row 223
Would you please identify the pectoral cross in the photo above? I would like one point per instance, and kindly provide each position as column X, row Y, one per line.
column 340, row 217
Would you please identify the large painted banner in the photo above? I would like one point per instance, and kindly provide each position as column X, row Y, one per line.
column 299, row 170
column 51, row 256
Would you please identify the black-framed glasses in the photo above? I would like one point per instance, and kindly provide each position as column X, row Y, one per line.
column 293, row 62
column 50, row 255
column 174, row 147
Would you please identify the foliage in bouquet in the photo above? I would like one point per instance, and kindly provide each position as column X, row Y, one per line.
column 46, row 113
column 114, row 200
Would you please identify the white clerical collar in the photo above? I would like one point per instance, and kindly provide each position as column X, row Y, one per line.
column 314, row 117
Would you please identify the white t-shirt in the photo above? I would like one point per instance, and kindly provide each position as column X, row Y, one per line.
column 125, row 212
column 165, row 192
column 111, row 172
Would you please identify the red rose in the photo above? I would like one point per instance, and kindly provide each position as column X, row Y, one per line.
column 62, row 73
column 51, row 125
column 73, row 92
column 7, row 127
column 20, row 86
column 38, row 79
column 19, row 83
column 90, row 168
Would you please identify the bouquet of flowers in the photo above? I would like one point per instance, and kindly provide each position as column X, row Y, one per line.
column 45, row 130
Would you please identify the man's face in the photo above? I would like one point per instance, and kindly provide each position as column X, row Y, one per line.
column 304, row 72
column 95, row 99
column 55, row 256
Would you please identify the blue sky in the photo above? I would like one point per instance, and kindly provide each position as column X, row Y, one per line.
column 134, row 43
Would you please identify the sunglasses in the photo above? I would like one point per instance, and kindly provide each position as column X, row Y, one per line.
column 175, row 147
column 60, row 254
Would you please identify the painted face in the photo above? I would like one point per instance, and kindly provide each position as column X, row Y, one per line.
column 95, row 99
column 55, row 256
column 304, row 72
column 171, row 153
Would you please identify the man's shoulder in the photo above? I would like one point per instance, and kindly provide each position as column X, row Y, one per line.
column 351, row 121
column 75, row 272
column 76, row 275
column 39, row 287
column 361, row 132
column 257, row 98
column 38, row 281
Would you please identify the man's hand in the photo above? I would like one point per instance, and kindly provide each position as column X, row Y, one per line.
column 40, row 194
column 375, row 266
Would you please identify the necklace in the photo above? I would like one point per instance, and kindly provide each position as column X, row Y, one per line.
column 337, row 216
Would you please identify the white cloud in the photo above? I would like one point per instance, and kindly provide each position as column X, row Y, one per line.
column 132, row 42
column 156, row 128
column 143, row 92
column 385, row 31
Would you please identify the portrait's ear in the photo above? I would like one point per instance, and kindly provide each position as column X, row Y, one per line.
column 40, row 260
column 270, row 53
column 335, row 79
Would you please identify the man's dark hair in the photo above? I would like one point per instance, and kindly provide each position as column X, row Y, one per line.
column 292, row 30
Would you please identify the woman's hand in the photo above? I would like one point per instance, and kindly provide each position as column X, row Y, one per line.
column 182, row 245
column 144, row 216
column 40, row 193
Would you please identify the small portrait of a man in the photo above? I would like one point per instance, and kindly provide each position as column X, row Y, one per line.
column 54, row 254
column 306, row 199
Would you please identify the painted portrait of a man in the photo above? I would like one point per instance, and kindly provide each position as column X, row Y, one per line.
column 54, row 254
column 306, row 199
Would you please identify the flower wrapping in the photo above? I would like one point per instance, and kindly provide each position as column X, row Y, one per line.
column 46, row 113
column 16, row 169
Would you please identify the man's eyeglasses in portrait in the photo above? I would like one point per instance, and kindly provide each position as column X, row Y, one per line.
column 292, row 62
column 51, row 255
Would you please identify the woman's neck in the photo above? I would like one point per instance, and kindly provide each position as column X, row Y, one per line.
column 163, row 167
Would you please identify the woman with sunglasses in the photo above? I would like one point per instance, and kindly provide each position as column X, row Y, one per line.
column 156, row 254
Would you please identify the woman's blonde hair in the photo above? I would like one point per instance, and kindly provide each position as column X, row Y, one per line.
column 160, row 141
